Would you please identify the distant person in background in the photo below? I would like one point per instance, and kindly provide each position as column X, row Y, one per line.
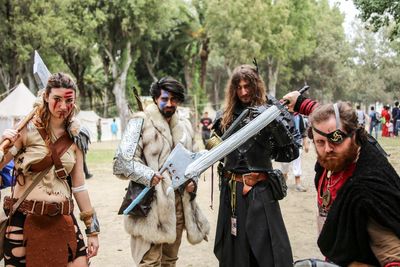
column 302, row 142
column 385, row 117
column 389, row 125
column 360, row 116
column 395, row 117
column 114, row 130
column 99, row 130
column 206, row 123
column 373, row 122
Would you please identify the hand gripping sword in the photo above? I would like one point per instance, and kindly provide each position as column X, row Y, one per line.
column 184, row 165
column 41, row 74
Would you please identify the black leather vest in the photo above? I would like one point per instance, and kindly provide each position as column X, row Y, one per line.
column 253, row 156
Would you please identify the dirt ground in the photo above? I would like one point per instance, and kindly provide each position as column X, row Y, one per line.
column 106, row 191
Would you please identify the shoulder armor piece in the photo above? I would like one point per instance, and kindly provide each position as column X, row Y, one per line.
column 130, row 139
column 79, row 134
column 82, row 140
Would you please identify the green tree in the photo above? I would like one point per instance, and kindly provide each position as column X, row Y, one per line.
column 24, row 28
column 327, row 69
column 74, row 41
column 375, row 64
column 380, row 13
column 124, row 26
column 275, row 32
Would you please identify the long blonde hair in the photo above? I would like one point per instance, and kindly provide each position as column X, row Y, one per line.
column 258, row 90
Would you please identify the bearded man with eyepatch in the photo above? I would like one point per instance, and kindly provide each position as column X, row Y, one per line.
column 358, row 190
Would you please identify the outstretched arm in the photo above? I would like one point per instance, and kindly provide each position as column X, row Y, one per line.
column 299, row 103
column 87, row 215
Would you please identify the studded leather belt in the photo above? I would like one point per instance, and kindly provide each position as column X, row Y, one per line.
column 40, row 207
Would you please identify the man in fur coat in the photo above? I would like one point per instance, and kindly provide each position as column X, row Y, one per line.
column 148, row 139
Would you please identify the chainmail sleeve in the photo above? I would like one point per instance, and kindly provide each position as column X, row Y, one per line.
column 127, row 160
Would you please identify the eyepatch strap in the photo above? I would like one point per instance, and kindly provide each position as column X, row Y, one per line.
column 336, row 108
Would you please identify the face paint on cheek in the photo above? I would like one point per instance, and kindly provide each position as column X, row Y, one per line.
column 70, row 107
column 56, row 104
column 162, row 105
column 69, row 97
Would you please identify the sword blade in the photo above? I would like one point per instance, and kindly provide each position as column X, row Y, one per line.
column 197, row 167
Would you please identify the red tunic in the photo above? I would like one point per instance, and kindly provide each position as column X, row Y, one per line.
column 333, row 184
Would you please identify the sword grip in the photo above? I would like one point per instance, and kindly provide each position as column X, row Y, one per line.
column 136, row 201
column 301, row 91
column 304, row 89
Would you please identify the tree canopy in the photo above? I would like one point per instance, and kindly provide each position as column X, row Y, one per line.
column 110, row 46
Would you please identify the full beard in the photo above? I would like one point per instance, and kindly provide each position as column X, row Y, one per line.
column 168, row 113
column 337, row 162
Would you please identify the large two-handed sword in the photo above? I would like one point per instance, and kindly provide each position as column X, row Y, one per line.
column 184, row 165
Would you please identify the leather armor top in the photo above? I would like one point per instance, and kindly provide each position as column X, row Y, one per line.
column 273, row 142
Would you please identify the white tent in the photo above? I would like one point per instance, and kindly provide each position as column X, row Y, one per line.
column 15, row 106
column 90, row 119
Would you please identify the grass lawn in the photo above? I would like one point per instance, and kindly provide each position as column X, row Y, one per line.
column 103, row 153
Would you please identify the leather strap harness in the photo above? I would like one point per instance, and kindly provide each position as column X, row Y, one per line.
column 57, row 149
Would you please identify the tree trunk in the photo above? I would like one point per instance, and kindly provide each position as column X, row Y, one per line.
column 5, row 78
column 216, row 96
column 188, row 75
column 105, row 103
column 204, row 52
column 150, row 66
column 120, row 84
column 273, row 71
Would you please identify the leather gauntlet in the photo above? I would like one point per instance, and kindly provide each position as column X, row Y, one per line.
column 89, row 218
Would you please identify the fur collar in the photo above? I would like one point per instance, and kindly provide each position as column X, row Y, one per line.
column 171, row 130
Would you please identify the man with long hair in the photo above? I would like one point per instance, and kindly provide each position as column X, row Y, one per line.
column 358, row 190
column 250, row 229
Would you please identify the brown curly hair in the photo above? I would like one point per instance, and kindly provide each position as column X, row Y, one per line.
column 258, row 89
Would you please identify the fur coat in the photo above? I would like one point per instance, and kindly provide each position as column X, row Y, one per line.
column 157, row 140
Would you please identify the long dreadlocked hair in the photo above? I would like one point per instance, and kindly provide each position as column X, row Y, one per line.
column 56, row 81
column 258, row 89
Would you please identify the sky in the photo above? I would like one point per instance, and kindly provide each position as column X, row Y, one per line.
column 347, row 7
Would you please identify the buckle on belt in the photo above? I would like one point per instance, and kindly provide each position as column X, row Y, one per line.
column 244, row 175
column 61, row 173
column 56, row 212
